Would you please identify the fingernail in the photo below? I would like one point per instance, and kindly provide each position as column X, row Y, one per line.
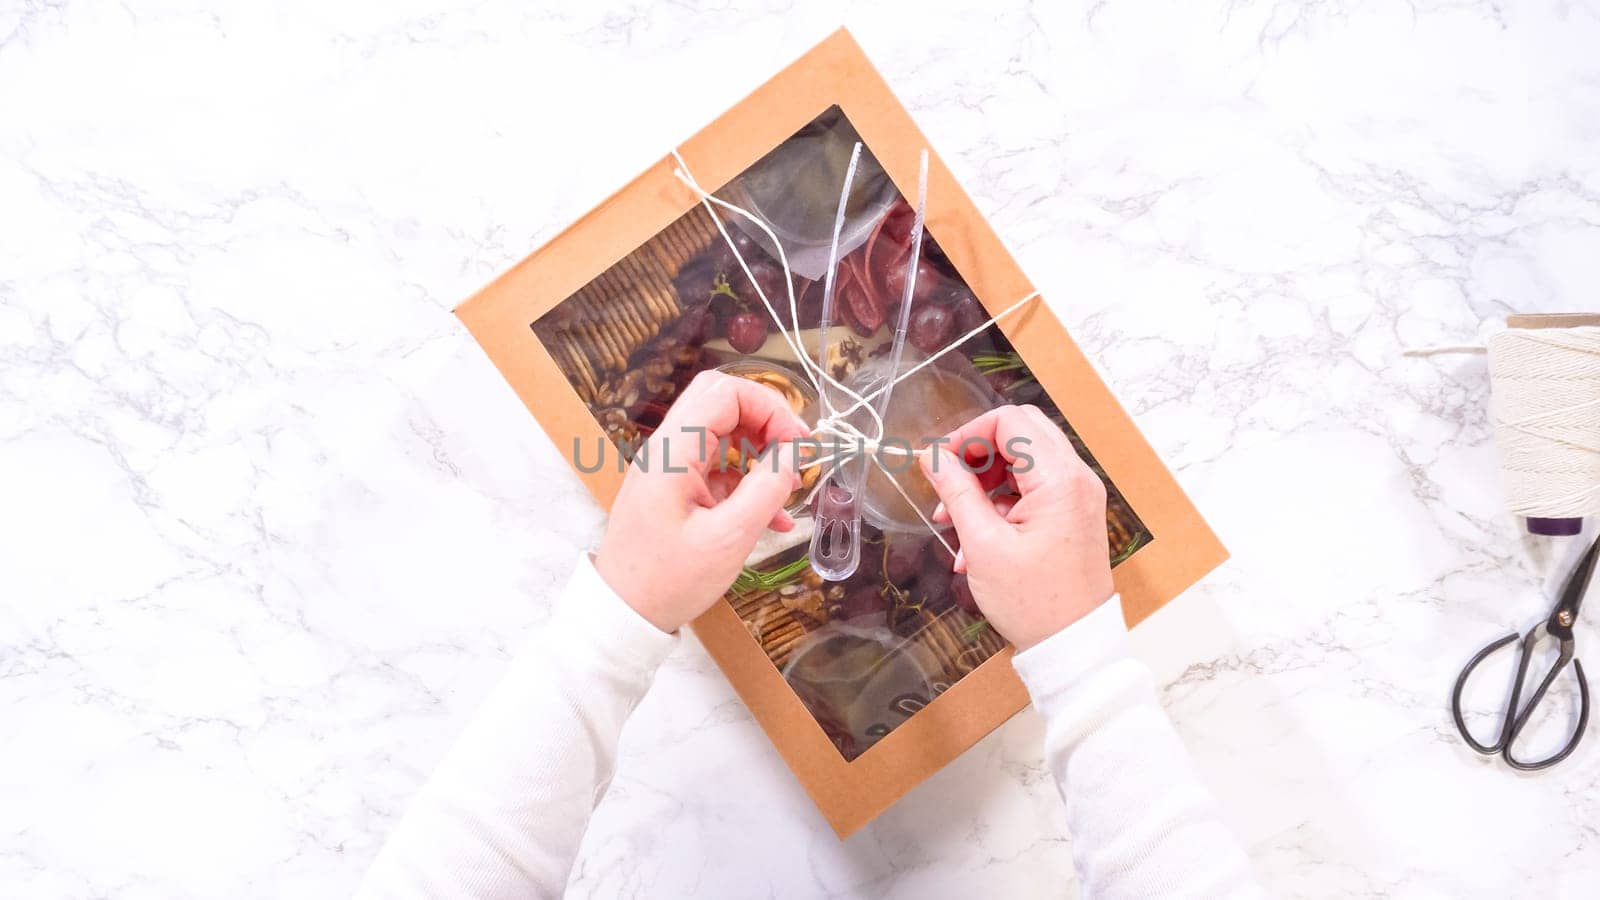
column 960, row 565
column 939, row 515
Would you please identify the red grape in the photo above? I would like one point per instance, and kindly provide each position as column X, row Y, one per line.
column 969, row 312
column 904, row 620
column 934, row 252
column 694, row 280
column 862, row 599
column 902, row 559
column 723, row 258
column 810, row 304
column 929, row 282
column 694, row 327
column 769, row 276
column 747, row 331
column 938, row 603
column 932, row 327
column 723, row 307
column 961, row 590
column 1003, row 380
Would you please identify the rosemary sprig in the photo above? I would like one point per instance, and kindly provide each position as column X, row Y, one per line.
column 989, row 363
column 992, row 364
column 752, row 580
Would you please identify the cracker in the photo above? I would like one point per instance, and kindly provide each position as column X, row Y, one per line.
column 765, row 617
column 700, row 224
column 576, row 369
column 748, row 605
column 644, row 298
column 681, row 249
column 781, row 652
column 939, row 637
column 633, row 303
column 603, row 298
column 659, row 298
column 699, row 232
column 601, row 349
column 670, row 264
column 570, row 346
column 620, row 311
column 970, row 659
column 781, row 628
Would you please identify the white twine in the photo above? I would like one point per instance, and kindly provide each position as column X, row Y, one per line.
column 1444, row 349
column 833, row 424
column 1544, row 404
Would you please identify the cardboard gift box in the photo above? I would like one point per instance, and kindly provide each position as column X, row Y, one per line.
column 868, row 686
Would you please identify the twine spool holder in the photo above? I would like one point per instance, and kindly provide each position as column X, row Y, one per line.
column 1562, row 527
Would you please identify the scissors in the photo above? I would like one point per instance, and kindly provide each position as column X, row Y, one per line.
column 1558, row 626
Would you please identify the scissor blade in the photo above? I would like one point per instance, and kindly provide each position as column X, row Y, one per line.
column 1572, row 595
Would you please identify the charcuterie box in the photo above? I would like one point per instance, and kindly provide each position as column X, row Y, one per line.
column 868, row 685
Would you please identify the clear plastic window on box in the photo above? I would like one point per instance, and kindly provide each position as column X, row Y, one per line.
column 867, row 653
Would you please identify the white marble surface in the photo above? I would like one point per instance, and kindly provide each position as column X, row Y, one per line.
column 269, row 521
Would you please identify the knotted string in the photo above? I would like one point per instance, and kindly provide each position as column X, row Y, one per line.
column 832, row 424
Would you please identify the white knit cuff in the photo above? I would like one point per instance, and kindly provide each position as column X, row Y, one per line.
column 591, row 614
column 1062, row 659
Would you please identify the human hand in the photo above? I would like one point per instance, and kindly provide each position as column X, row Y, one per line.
column 1037, row 562
column 683, row 524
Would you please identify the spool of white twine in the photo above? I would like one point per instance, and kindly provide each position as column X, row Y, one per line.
column 1544, row 405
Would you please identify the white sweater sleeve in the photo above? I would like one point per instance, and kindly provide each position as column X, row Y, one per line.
column 506, row 810
column 1141, row 823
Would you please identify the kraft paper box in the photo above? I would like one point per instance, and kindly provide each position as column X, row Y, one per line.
column 867, row 686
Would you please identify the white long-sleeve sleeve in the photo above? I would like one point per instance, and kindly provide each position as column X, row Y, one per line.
column 506, row 810
column 1142, row 824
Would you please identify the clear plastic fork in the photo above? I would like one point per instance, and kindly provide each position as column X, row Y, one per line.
column 836, row 540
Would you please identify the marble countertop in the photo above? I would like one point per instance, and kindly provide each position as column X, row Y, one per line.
column 270, row 522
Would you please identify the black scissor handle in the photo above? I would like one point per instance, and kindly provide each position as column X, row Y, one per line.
column 1521, row 720
column 1461, row 682
column 1517, row 713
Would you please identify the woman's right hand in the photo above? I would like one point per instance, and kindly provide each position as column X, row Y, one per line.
column 1036, row 560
